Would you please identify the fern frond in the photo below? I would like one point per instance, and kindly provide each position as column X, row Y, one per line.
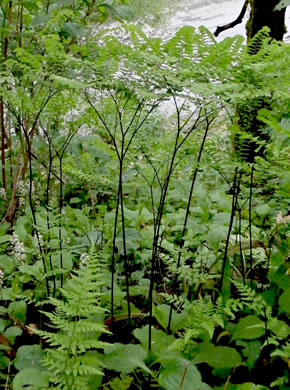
column 78, row 319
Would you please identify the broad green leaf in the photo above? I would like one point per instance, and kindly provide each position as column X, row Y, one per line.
column 31, row 377
column 30, row 5
column 40, row 19
column 7, row 294
column 250, row 327
column 11, row 333
column 4, row 361
column 160, row 312
column 248, row 386
column 67, row 262
column 18, row 310
column 3, row 325
column 281, row 278
column 5, row 239
column 29, row 356
column 125, row 358
column 276, row 258
column 279, row 327
column 263, row 209
column 284, row 301
column 251, row 350
column 6, row 263
column 180, row 374
column 161, row 341
column 218, row 357
column 216, row 235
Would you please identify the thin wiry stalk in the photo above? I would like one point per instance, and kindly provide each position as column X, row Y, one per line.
column 124, row 244
column 60, row 154
column 181, row 245
column 47, row 215
column 121, row 151
column 164, row 190
column 113, row 138
column 235, row 190
column 28, row 142
column 240, row 243
column 33, row 211
column 250, row 224
column 114, row 250
column 60, row 221
column 3, row 136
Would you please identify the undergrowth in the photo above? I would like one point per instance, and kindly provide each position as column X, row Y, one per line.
column 138, row 249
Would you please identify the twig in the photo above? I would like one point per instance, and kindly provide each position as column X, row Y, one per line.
column 235, row 22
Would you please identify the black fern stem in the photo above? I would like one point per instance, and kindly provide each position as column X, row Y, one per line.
column 235, row 190
column 160, row 210
column 33, row 211
column 164, row 189
column 181, row 244
column 250, row 224
column 157, row 236
column 27, row 138
column 124, row 242
column 47, row 214
column 60, row 221
column 114, row 249
column 240, row 242
column 121, row 150
column 60, row 155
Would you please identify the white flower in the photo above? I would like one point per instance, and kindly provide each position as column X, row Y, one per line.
column 1, row 278
column 84, row 259
column 3, row 195
column 18, row 249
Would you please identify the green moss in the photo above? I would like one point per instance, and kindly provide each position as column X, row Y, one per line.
column 263, row 14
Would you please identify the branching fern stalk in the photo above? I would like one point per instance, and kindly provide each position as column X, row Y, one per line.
column 78, row 319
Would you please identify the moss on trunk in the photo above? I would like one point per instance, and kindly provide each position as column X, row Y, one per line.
column 263, row 14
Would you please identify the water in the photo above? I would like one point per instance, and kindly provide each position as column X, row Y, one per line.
column 209, row 13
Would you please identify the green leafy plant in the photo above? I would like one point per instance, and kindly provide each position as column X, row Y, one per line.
column 78, row 318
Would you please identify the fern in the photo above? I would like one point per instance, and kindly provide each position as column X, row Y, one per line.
column 78, row 318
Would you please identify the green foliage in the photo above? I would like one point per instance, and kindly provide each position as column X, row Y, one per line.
column 125, row 358
column 78, row 319
column 31, row 377
column 180, row 373
column 122, row 142
column 250, row 327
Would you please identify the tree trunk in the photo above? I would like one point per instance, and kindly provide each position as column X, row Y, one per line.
column 263, row 14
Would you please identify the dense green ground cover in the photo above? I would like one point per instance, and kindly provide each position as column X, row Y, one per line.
column 137, row 248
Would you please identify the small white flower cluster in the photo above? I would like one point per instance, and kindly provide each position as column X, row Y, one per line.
column 21, row 188
column 35, row 241
column 1, row 278
column 3, row 195
column 18, row 249
column 84, row 259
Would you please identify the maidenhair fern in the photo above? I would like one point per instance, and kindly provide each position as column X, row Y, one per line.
column 72, row 358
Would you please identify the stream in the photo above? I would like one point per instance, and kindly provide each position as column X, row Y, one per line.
column 209, row 13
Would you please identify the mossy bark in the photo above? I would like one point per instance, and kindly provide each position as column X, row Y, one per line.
column 263, row 14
